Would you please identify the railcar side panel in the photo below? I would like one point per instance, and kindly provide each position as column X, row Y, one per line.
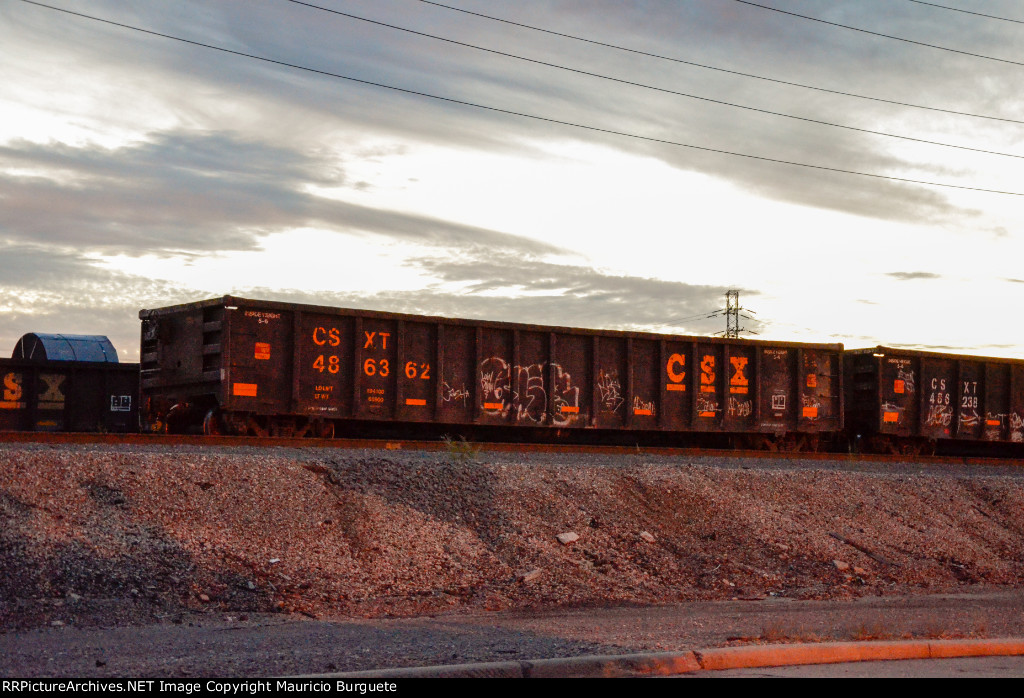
column 69, row 396
column 612, row 382
column 417, row 376
column 938, row 398
column 324, row 355
column 260, row 360
column 777, row 400
column 496, row 359
column 741, row 392
column 708, row 393
column 571, row 379
column 1015, row 415
column 644, row 383
column 677, row 385
column 996, row 402
column 457, row 366
column 971, row 388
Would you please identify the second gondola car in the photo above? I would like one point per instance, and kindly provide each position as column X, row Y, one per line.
column 241, row 366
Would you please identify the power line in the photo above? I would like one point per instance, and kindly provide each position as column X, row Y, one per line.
column 884, row 36
column 509, row 112
column 721, row 70
column 968, row 12
column 651, row 87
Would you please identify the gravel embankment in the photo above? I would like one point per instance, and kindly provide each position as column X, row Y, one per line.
column 119, row 535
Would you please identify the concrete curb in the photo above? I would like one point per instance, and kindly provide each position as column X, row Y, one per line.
column 715, row 659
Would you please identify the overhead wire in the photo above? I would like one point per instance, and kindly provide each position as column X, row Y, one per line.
column 665, row 90
column 719, row 69
column 509, row 112
column 874, row 33
column 968, row 12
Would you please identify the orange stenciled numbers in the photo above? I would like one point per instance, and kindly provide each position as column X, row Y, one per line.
column 372, row 367
column 412, row 369
column 332, row 364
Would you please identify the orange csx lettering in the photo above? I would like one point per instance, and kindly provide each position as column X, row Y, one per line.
column 369, row 339
column 673, row 375
column 707, row 370
column 12, row 387
column 739, row 364
column 322, row 336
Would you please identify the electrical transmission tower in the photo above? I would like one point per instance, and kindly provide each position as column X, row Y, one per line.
column 732, row 315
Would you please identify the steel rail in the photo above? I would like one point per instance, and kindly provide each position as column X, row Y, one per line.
column 75, row 438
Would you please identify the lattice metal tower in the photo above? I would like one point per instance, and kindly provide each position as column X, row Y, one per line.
column 732, row 313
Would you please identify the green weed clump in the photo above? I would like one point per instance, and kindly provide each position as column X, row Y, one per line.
column 460, row 450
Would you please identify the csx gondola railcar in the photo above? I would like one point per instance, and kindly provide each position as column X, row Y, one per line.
column 242, row 366
column 905, row 401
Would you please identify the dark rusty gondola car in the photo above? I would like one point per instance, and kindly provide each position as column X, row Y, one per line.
column 231, row 365
column 68, row 383
column 905, row 401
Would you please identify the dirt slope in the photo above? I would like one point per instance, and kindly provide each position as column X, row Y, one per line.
column 112, row 535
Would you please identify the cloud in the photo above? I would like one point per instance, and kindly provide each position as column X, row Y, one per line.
column 205, row 87
column 185, row 191
column 45, row 289
column 913, row 275
column 495, row 285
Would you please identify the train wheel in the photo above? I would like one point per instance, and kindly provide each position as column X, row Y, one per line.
column 212, row 426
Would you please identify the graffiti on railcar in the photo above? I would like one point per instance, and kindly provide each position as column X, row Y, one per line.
column 609, row 391
column 643, row 408
column 740, row 408
column 707, row 405
column 495, row 384
column 994, row 425
column 904, row 380
column 969, row 416
column 1016, row 427
column 450, row 394
column 811, row 407
column 939, row 415
column 527, row 396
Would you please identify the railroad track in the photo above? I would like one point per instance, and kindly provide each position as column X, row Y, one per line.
column 56, row 438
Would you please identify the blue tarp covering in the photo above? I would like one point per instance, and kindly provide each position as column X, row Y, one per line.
column 65, row 347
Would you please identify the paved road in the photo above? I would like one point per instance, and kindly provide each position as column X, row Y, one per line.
column 213, row 645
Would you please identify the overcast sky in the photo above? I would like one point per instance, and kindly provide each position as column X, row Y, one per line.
column 514, row 174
